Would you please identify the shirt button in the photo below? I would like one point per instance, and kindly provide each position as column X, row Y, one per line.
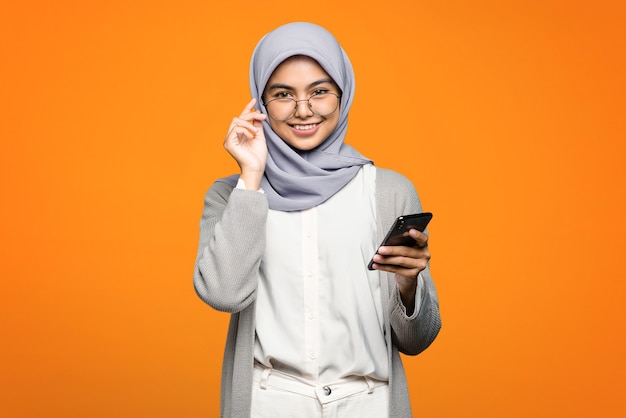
column 312, row 356
column 327, row 390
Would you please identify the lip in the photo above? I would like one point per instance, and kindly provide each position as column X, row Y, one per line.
column 305, row 132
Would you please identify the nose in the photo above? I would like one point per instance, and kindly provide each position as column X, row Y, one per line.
column 307, row 109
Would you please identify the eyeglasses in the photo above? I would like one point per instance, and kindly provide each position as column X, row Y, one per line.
column 321, row 103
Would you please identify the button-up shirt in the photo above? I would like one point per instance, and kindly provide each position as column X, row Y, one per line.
column 318, row 308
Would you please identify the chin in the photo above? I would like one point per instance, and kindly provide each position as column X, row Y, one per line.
column 304, row 145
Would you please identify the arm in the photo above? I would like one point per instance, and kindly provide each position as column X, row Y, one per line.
column 413, row 334
column 232, row 229
column 413, row 303
column 232, row 241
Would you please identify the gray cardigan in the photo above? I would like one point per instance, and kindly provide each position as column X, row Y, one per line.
column 232, row 241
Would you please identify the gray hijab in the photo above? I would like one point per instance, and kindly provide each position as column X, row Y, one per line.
column 297, row 180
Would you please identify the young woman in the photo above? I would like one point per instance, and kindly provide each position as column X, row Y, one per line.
column 284, row 247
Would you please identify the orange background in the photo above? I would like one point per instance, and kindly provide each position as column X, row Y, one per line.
column 507, row 115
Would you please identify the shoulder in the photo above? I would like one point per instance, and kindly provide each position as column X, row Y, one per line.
column 218, row 192
column 223, row 193
column 216, row 198
column 395, row 193
column 392, row 180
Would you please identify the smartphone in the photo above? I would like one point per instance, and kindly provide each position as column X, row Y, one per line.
column 398, row 234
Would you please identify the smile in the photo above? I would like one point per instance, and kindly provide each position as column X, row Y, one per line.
column 304, row 127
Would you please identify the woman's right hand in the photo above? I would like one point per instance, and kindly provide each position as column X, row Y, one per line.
column 245, row 142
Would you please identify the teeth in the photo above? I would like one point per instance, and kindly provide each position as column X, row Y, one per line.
column 304, row 127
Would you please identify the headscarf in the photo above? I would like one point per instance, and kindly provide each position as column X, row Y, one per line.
column 297, row 180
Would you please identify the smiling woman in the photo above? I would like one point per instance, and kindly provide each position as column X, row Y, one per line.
column 304, row 124
column 285, row 246
column 508, row 116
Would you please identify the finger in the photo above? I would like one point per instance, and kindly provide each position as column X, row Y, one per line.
column 420, row 238
column 257, row 118
column 399, row 250
column 392, row 260
column 404, row 267
column 249, row 107
column 251, row 114
column 402, row 271
column 242, row 133
column 237, row 135
column 242, row 123
column 406, row 262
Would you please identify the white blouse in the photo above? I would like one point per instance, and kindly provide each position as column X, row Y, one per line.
column 318, row 308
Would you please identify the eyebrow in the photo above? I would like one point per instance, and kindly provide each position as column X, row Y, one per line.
column 276, row 86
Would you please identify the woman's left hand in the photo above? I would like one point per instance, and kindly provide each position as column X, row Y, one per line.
column 406, row 263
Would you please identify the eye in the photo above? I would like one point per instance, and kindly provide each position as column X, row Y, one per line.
column 318, row 92
column 282, row 95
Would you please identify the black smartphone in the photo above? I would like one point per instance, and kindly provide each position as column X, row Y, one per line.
column 398, row 234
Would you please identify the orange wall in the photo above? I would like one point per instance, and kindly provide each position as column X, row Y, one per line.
column 508, row 117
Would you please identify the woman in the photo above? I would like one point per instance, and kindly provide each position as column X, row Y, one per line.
column 284, row 247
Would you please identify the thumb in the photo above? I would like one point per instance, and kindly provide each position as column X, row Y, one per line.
column 259, row 125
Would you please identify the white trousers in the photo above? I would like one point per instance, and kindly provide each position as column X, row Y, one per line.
column 278, row 395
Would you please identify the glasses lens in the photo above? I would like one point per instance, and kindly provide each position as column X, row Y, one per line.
column 281, row 109
column 324, row 103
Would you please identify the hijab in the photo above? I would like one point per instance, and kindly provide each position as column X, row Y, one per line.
column 297, row 180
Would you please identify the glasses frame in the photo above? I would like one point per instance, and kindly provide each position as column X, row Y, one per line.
column 295, row 107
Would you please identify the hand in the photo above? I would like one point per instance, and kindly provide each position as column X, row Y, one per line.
column 406, row 263
column 245, row 142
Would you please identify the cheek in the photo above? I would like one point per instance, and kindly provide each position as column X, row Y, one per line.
column 334, row 123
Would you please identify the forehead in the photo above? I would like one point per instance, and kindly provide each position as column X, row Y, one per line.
column 298, row 68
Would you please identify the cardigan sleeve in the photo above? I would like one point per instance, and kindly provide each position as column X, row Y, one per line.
column 232, row 241
column 414, row 334
column 411, row 334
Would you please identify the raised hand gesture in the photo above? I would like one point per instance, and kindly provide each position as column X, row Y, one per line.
column 245, row 142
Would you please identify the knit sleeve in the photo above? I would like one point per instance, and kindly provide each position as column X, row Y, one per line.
column 411, row 334
column 414, row 334
column 232, row 241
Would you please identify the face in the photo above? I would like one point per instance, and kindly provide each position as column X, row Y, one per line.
column 300, row 78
